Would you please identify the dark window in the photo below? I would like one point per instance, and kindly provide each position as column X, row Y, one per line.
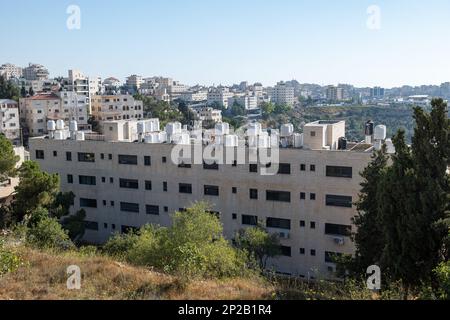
column 128, row 159
column 184, row 165
column 55, row 153
column 331, row 257
column 147, row 161
column 164, row 159
column 129, row 184
column 165, row 186
column 91, row 225
column 313, row 252
column 129, row 207
column 337, row 229
column 112, row 203
column 185, row 188
column 303, row 167
column 105, row 225
column 86, row 157
column 340, row 172
column 128, row 229
column 285, row 251
column 88, row 180
column 69, row 156
column 278, row 223
column 302, row 196
column 253, row 193
column 166, row 209
column 39, row 154
column 113, row 226
column 234, row 189
column 234, row 163
column 104, row 202
column 339, row 201
column 153, row 210
column 284, row 168
column 111, row 180
column 302, row 223
column 302, row 250
column 148, row 185
column 312, row 196
column 110, row 156
column 234, row 216
column 88, row 203
column 211, row 190
column 312, row 167
column 253, row 168
column 249, row 220
column 102, row 156
column 103, row 179
column 282, row 196
column 210, row 166
column 69, row 178
column 312, row 224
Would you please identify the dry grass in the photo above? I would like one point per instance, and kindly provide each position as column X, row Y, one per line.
column 43, row 277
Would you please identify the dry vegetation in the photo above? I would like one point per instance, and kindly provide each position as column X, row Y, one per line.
column 43, row 276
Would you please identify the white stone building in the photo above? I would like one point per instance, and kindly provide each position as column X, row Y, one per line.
column 9, row 71
column 116, row 107
column 9, row 119
column 219, row 95
column 282, row 94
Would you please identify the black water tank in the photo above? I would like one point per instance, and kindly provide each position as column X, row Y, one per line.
column 342, row 143
column 369, row 128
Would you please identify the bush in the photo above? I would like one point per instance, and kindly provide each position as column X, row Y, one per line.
column 9, row 261
column 47, row 233
column 443, row 276
column 119, row 245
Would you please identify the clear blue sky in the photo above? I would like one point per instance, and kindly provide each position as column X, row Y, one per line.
column 218, row 41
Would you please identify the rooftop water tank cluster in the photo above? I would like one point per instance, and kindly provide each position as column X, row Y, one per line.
column 57, row 130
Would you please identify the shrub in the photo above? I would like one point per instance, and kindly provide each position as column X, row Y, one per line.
column 443, row 276
column 9, row 261
column 119, row 245
column 47, row 233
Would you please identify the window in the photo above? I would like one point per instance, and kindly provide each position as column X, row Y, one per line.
column 184, row 165
column 313, row 252
column 166, row 209
column 86, row 157
column 302, row 223
column 285, row 251
column 152, row 210
column 147, row 161
column 87, row 180
column 302, row 251
column 91, row 225
column 104, row 202
column 234, row 216
column 112, row 203
column 103, row 179
column 164, row 159
column 278, row 223
column 210, row 166
column 165, row 186
column 330, row 257
column 253, row 193
column 303, row 167
column 69, row 178
column 253, row 168
column 129, row 184
column 338, row 201
column 302, row 196
column 113, row 226
column 111, row 180
column 337, row 229
column 234, row 190
column 313, row 133
column 55, row 153
column 312, row 196
column 110, row 156
column 128, row 159
column 148, row 185
column 211, row 190
column 105, row 226
column 284, row 168
column 69, row 156
column 282, row 196
column 129, row 207
column 339, row 172
column 249, row 220
column 312, row 225
column 312, row 168
column 39, row 154
column 185, row 188
column 102, row 156
column 88, row 203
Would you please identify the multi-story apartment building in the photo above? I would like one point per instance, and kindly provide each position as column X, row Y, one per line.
column 111, row 84
column 35, row 72
column 9, row 119
column 219, row 95
column 334, row 93
column 9, row 71
column 208, row 114
column 247, row 101
column 282, row 94
column 194, row 96
column 134, row 81
column 377, row 92
column 308, row 202
column 35, row 111
column 81, row 84
column 116, row 107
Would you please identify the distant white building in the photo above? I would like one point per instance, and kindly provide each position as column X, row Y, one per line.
column 111, row 84
column 9, row 71
column 247, row 101
column 9, row 119
column 116, row 107
column 35, row 72
column 334, row 93
column 208, row 114
column 282, row 94
column 219, row 95
column 134, row 81
column 194, row 96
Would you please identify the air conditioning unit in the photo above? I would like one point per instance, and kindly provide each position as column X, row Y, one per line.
column 284, row 235
column 339, row 241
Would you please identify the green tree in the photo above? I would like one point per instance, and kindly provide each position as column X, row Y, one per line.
column 8, row 159
column 75, row 225
column 31, row 92
column 23, row 92
column 267, row 108
column 259, row 244
column 8, row 90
